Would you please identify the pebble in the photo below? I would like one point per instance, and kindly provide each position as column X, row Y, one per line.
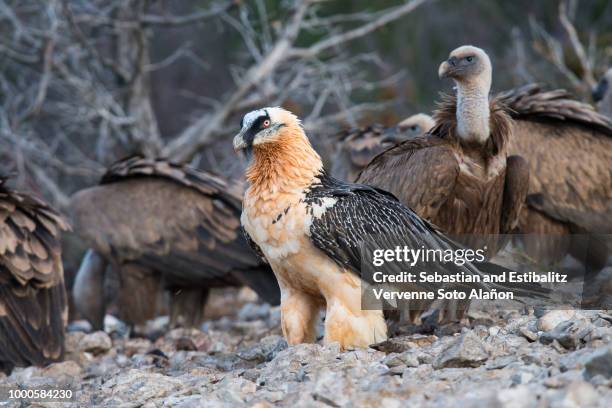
column 95, row 343
column 467, row 351
column 551, row 319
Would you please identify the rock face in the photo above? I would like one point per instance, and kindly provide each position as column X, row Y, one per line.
column 500, row 359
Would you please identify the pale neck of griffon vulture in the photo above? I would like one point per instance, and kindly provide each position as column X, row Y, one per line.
column 287, row 164
column 473, row 108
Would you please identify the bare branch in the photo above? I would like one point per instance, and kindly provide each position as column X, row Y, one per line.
column 202, row 132
column 585, row 63
column 189, row 18
column 385, row 18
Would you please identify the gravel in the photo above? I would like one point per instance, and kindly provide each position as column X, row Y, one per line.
column 559, row 359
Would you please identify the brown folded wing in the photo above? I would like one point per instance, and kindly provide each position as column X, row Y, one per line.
column 33, row 308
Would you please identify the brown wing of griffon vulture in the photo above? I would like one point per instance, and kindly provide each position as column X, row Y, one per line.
column 569, row 149
column 430, row 174
column 33, row 308
column 164, row 226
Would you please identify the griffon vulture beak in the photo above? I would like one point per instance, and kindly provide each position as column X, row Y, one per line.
column 447, row 67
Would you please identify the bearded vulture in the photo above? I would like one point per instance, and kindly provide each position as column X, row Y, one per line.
column 310, row 227
column 569, row 149
column 602, row 94
column 33, row 307
column 459, row 176
column 163, row 226
column 357, row 147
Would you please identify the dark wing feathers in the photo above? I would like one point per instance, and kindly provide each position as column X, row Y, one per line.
column 421, row 172
column 33, row 308
column 179, row 221
column 363, row 214
column 531, row 102
column 569, row 150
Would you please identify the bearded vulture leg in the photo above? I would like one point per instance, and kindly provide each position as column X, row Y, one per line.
column 140, row 293
column 299, row 313
column 262, row 282
column 88, row 289
column 353, row 328
column 187, row 307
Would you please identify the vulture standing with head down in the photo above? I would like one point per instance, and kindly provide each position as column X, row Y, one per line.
column 310, row 228
column 357, row 147
column 163, row 226
column 569, row 149
column 33, row 308
column 459, row 176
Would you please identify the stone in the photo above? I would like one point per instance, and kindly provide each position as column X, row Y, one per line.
column 403, row 343
column 406, row 359
column 95, row 343
column 580, row 394
column 467, row 351
column 517, row 397
column 528, row 334
column 569, row 333
column 551, row 319
column 63, row 369
column 139, row 386
column 265, row 350
column 599, row 363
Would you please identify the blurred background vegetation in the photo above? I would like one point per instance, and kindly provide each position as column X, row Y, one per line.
column 85, row 82
column 409, row 50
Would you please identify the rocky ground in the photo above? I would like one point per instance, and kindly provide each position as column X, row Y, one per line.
column 558, row 358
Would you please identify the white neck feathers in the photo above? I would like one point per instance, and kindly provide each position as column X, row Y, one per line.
column 473, row 109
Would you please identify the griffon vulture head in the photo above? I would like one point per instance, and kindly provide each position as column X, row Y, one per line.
column 467, row 65
column 413, row 126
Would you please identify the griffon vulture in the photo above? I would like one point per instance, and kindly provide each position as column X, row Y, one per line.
column 459, row 176
column 33, row 308
column 356, row 147
column 310, row 226
column 163, row 226
column 569, row 149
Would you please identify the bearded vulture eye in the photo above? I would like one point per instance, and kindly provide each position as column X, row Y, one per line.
column 469, row 59
column 265, row 123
